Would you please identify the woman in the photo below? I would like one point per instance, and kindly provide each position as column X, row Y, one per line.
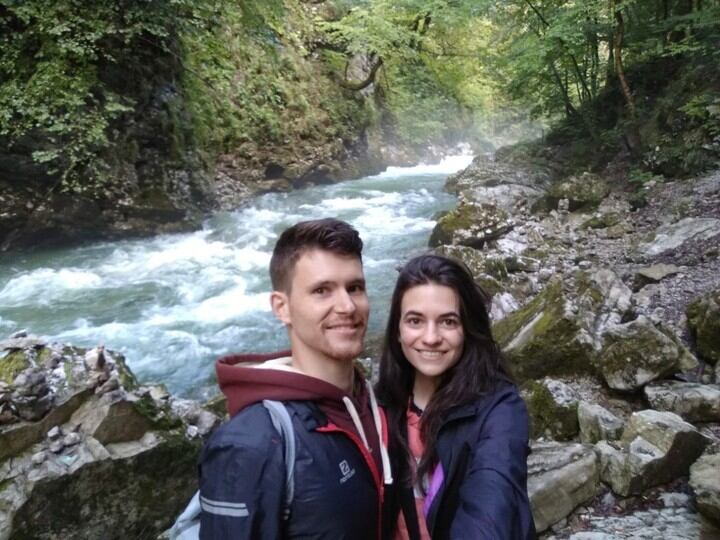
column 458, row 428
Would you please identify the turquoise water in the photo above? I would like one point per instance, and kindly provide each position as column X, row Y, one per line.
column 174, row 303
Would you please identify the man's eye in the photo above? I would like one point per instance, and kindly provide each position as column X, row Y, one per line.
column 320, row 290
column 356, row 289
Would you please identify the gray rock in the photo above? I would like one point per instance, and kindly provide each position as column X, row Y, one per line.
column 672, row 236
column 71, row 439
column 694, row 402
column 705, row 481
column 561, row 477
column 552, row 406
column 54, row 433
column 704, row 321
column 597, row 423
column 23, row 342
column 656, row 448
column 653, row 274
column 637, row 353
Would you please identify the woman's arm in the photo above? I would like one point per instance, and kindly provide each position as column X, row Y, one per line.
column 493, row 496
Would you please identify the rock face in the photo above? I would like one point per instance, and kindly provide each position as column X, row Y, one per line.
column 471, row 224
column 637, row 353
column 582, row 192
column 672, row 236
column 558, row 332
column 553, row 409
column 656, row 447
column 561, row 477
column 705, row 481
column 85, row 451
column 704, row 321
column 694, row 402
column 597, row 423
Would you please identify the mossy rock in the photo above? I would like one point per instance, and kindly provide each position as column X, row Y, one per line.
column 704, row 321
column 583, row 192
column 488, row 272
column 552, row 408
column 637, row 353
column 471, row 224
column 217, row 405
column 602, row 221
column 542, row 338
column 12, row 364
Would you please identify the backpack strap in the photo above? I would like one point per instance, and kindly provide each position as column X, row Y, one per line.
column 283, row 423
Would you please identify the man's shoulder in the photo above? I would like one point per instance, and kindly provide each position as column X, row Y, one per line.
column 250, row 427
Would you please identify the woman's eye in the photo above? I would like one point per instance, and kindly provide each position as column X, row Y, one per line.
column 450, row 323
column 413, row 321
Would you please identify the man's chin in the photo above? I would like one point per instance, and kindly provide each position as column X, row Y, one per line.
column 347, row 352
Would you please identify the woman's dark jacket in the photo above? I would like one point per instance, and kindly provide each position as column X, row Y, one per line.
column 483, row 448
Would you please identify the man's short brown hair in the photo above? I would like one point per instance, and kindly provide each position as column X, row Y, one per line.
column 327, row 234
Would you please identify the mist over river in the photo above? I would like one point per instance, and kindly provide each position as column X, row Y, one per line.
column 174, row 303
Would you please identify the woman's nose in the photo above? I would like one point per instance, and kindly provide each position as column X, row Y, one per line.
column 431, row 336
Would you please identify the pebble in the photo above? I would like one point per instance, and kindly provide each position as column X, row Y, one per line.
column 71, row 439
column 54, row 433
column 56, row 446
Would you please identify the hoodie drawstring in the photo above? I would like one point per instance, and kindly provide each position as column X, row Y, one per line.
column 384, row 456
column 385, row 459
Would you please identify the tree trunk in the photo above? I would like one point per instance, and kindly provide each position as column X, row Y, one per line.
column 632, row 136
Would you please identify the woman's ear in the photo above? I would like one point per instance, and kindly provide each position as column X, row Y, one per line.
column 279, row 303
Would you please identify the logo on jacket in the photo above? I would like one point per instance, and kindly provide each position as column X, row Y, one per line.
column 347, row 471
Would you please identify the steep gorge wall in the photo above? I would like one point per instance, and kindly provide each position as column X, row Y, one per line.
column 225, row 101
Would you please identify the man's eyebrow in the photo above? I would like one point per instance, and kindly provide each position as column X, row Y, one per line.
column 323, row 283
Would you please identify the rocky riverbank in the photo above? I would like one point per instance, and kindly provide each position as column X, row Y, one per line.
column 607, row 304
column 85, row 450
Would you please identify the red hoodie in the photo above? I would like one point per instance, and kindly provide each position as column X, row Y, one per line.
column 244, row 382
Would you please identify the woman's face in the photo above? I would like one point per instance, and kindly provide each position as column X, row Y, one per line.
column 431, row 333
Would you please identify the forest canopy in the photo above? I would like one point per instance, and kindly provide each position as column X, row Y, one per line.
column 72, row 71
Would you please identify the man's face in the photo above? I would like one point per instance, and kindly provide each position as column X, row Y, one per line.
column 326, row 309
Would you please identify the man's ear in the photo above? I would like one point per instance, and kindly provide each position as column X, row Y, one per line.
column 279, row 303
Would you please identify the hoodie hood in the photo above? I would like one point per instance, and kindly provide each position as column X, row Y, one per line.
column 249, row 378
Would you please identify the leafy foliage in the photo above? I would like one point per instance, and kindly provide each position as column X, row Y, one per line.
column 54, row 55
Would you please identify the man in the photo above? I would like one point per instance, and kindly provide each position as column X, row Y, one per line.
column 319, row 294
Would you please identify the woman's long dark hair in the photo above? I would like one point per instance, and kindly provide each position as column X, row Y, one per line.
column 477, row 371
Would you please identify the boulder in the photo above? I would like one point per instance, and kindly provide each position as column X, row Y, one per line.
column 602, row 221
column 705, row 482
column 559, row 331
column 108, row 459
column 655, row 448
column 653, row 274
column 553, row 409
column 585, row 191
column 561, row 476
column 472, row 225
column 674, row 235
column 704, row 321
column 596, row 423
column 694, row 402
column 637, row 353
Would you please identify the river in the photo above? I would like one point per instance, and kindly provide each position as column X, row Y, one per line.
column 174, row 303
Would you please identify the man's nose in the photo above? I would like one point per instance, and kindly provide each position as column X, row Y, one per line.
column 344, row 303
